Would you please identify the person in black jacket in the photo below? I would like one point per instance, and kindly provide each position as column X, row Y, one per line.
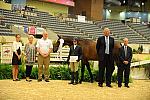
column 104, row 47
column 75, row 51
column 125, row 56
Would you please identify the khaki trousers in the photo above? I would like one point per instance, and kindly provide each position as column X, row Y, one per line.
column 43, row 61
column 74, row 66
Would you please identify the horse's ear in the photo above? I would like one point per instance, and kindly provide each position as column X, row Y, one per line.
column 58, row 36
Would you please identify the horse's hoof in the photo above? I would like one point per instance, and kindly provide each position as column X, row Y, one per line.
column 92, row 81
column 80, row 82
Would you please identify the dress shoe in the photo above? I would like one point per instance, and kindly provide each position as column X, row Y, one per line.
column 75, row 83
column 39, row 80
column 17, row 79
column 119, row 85
column 127, row 86
column 92, row 81
column 80, row 82
column 100, row 85
column 71, row 83
column 28, row 80
column 108, row 85
column 47, row 80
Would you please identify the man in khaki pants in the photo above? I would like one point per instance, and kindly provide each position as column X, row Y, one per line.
column 44, row 48
column 75, row 55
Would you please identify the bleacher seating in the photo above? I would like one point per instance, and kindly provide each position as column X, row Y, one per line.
column 78, row 29
column 5, row 31
column 121, row 31
column 144, row 30
column 11, row 17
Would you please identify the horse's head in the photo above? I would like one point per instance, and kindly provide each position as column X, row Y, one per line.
column 55, row 45
column 67, row 41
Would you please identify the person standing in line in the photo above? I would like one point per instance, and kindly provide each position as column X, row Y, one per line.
column 104, row 47
column 75, row 51
column 125, row 55
column 44, row 48
column 30, row 53
column 16, row 59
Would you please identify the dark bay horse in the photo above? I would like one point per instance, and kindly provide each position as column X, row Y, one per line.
column 89, row 52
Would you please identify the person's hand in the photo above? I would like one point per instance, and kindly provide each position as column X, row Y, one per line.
column 19, row 57
column 45, row 55
column 125, row 62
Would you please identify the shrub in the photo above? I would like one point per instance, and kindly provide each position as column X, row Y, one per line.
column 56, row 73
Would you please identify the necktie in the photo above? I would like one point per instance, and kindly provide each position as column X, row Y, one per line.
column 125, row 50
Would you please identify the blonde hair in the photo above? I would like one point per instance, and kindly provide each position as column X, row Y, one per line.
column 30, row 36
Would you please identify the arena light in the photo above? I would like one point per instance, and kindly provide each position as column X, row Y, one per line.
column 124, row 1
column 113, row 2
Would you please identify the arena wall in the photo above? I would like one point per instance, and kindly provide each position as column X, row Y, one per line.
column 48, row 7
column 4, row 5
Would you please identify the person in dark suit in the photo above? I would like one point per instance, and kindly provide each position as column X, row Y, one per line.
column 104, row 47
column 125, row 56
column 76, row 51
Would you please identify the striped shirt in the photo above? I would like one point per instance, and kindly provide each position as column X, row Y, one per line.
column 30, row 52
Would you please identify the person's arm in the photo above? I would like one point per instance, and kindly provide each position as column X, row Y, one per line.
column 98, row 45
column 80, row 54
column 14, row 49
column 113, row 43
column 38, row 48
column 20, row 48
column 26, row 52
column 120, row 55
column 69, row 55
column 130, row 57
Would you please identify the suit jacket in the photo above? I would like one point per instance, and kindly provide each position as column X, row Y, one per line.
column 101, row 46
column 122, row 54
column 75, row 52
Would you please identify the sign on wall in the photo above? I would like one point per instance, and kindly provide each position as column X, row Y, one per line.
column 6, row 54
column 81, row 18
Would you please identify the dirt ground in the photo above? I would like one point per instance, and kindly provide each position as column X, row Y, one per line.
column 61, row 90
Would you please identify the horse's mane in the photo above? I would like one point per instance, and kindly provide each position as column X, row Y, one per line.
column 79, row 38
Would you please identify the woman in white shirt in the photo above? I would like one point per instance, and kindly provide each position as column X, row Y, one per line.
column 16, row 59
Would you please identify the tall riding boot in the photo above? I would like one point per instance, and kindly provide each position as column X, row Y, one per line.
column 72, row 78
column 76, row 78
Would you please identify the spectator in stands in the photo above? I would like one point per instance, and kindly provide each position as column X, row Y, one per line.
column 44, row 48
column 30, row 52
column 60, row 47
column 75, row 55
column 125, row 56
column 104, row 47
column 16, row 59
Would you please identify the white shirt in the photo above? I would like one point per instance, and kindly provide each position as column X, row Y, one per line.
column 74, row 46
column 107, row 45
column 125, row 50
column 16, row 46
column 44, row 45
